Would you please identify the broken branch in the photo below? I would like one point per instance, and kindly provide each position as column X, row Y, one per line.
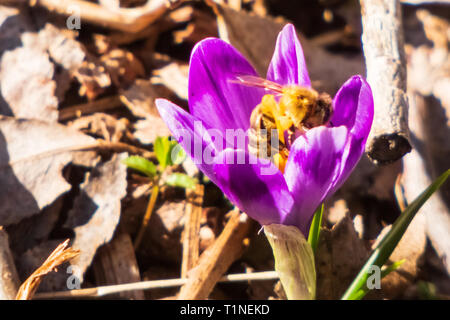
column 125, row 19
column 191, row 240
column 386, row 73
column 216, row 260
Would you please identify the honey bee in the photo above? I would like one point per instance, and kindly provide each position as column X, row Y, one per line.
column 291, row 110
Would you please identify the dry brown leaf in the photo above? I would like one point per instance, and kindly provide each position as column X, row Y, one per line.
column 201, row 26
column 37, row 228
column 27, row 86
column 93, row 79
column 148, row 129
column 175, row 77
column 103, row 125
column 96, row 210
column 72, row 55
column 140, row 98
column 340, row 255
column 62, row 46
column 122, row 66
column 162, row 239
column 32, row 156
column 60, row 255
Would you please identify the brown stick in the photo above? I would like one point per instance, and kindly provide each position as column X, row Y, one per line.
column 90, row 107
column 215, row 261
column 125, row 19
column 386, row 73
column 191, row 241
column 9, row 280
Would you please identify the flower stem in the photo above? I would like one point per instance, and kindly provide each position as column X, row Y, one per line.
column 147, row 216
column 294, row 261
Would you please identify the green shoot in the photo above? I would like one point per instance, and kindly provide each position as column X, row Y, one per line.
column 314, row 230
column 358, row 288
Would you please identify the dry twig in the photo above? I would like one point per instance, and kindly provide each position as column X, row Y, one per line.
column 386, row 73
column 90, row 107
column 60, row 255
column 146, row 285
column 215, row 260
column 191, row 241
column 125, row 19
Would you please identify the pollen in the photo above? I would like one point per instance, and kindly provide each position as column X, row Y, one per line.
column 280, row 161
column 277, row 112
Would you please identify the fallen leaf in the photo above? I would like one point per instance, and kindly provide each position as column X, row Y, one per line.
column 26, row 84
column 148, row 129
column 102, row 125
column 140, row 98
column 96, row 210
column 162, row 239
column 36, row 229
column 75, row 60
column 122, row 66
column 340, row 256
column 175, row 77
column 32, row 156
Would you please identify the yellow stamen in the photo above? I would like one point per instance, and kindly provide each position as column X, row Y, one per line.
column 271, row 107
column 280, row 161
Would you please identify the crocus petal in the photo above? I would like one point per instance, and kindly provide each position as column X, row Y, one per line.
column 193, row 135
column 353, row 108
column 254, row 185
column 213, row 96
column 288, row 65
column 313, row 165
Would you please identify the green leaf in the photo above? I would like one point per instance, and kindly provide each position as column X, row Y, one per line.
column 181, row 180
column 392, row 267
column 314, row 230
column 358, row 288
column 162, row 147
column 384, row 272
column 141, row 164
column 177, row 154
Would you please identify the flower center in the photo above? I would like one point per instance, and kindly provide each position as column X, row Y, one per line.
column 274, row 126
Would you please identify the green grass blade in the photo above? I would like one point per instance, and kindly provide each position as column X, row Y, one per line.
column 358, row 288
column 314, row 230
column 392, row 267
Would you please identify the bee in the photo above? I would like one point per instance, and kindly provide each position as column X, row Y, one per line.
column 291, row 110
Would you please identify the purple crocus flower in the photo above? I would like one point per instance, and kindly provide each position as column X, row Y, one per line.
column 319, row 160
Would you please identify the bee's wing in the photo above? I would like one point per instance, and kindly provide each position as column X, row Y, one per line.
column 254, row 81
